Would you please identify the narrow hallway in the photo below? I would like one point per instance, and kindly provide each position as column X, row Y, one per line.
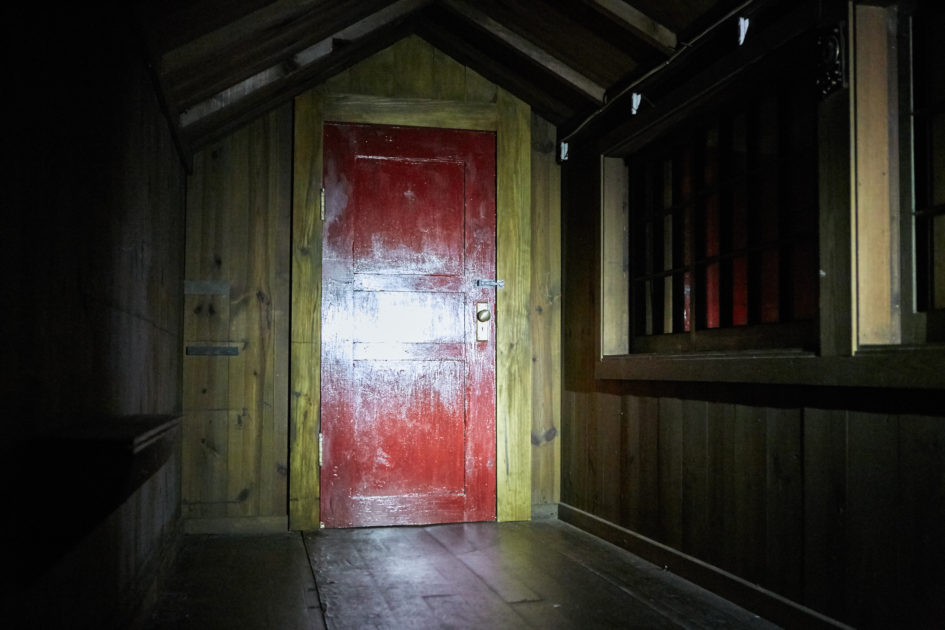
column 541, row 574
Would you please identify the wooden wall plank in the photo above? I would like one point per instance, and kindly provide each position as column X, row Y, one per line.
column 836, row 299
column 413, row 68
column 574, row 480
column 749, row 490
column 784, row 518
column 824, row 455
column 450, row 78
column 875, row 165
column 374, row 76
column 238, row 282
column 275, row 454
column 479, row 89
column 721, row 466
column 922, row 470
column 644, row 468
column 670, row 466
column 205, row 448
column 695, row 478
column 872, row 518
column 403, row 110
column 545, row 314
column 305, row 377
column 606, row 455
column 513, row 339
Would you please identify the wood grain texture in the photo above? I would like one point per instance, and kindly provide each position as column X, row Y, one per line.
column 871, row 542
column 605, row 455
column 877, row 234
column 545, row 314
column 824, row 457
column 367, row 93
column 237, row 240
column 750, row 480
column 514, row 352
column 837, row 260
column 413, row 111
column 305, row 349
column 922, row 474
column 695, row 476
column 784, row 487
column 670, row 469
column 544, row 574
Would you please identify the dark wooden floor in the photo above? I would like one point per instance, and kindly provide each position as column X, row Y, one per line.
column 543, row 574
column 240, row 581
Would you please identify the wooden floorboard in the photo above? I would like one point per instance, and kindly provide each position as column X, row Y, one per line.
column 539, row 574
column 542, row 574
column 251, row 582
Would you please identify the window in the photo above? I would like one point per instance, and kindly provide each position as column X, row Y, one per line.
column 928, row 125
column 800, row 233
column 722, row 224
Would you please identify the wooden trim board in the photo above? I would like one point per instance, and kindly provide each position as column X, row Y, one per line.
column 765, row 603
column 510, row 118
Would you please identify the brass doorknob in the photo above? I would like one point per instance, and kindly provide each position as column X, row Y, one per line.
column 483, row 315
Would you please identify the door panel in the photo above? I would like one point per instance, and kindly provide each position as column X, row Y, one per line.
column 408, row 394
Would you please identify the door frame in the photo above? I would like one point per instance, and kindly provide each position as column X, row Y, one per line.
column 510, row 119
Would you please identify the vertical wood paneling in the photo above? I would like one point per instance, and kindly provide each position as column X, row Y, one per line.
column 576, row 486
column 645, row 476
column 545, row 314
column 784, row 518
column 720, row 462
column 606, row 457
column 670, row 465
column 305, row 378
column 824, row 456
column 922, row 470
column 449, row 78
column 749, row 490
column 873, row 513
column 695, row 477
column 236, row 235
column 204, row 448
column 513, row 340
column 479, row 89
column 413, row 68
column 875, row 166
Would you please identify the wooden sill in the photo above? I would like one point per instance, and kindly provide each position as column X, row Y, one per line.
column 913, row 367
column 69, row 483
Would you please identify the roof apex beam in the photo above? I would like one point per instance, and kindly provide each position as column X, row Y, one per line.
column 530, row 50
column 640, row 22
column 299, row 61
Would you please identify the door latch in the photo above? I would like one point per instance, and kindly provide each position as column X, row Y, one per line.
column 498, row 284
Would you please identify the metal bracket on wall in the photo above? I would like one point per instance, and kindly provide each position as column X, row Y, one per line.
column 212, row 351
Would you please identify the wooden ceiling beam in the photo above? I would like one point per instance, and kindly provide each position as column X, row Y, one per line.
column 174, row 23
column 291, row 76
column 542, row 57
column 641, row 24
column 549, row 97
column 265, row 39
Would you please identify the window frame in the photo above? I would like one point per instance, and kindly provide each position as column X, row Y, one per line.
column 672, row 306
column 915, row 323
column 842, row 358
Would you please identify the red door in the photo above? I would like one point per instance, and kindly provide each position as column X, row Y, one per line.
column 408, row 371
